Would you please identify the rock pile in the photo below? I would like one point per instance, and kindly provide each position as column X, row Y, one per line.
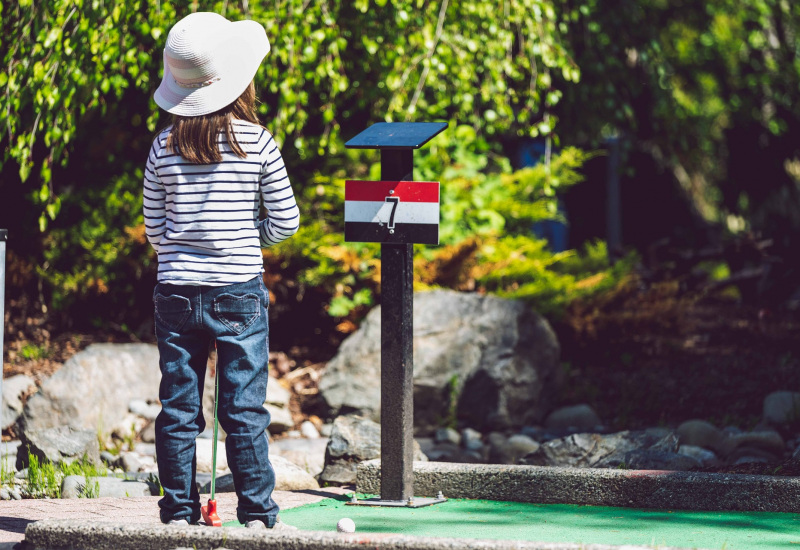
column 79, row 405
column 486, row 366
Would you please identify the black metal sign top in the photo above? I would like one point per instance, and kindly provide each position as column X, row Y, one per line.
column 396, row 135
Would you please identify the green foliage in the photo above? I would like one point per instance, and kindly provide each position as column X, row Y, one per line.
column 66, row 62
column 44, row 478
column 104, row 248
column 487, row 242
column 32, row 352
column 342, row 305
column 7, row 472
column 520, row 267
column 154, row 480
column 63, row 62
column 91, row 489
column 704, row 88
column 79, row 122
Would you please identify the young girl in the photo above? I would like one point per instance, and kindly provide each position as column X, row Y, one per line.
column 203, row 182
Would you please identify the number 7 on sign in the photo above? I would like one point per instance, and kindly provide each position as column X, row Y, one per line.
column 395, row 201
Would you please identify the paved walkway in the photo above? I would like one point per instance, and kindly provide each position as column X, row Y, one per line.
column 15, row 515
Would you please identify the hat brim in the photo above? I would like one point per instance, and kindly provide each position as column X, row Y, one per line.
column 247, row 45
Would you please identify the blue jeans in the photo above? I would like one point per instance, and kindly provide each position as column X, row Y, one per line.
column 188, row 320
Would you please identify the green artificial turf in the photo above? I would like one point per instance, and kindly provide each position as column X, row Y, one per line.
column 483, row 519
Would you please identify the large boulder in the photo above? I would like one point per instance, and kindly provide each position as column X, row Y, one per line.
column 93, row 388
column 497, row 358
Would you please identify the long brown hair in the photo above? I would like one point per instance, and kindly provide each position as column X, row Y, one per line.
column 196, row 138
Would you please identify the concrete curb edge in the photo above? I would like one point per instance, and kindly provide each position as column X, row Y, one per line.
column 668, row 490
column 67, row 534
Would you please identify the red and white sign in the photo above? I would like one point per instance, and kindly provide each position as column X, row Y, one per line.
column 391, row 211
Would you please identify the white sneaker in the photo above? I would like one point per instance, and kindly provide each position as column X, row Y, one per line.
column 255, row 524
column 180, row 522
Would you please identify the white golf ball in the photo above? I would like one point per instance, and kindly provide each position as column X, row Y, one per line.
column 346, row 525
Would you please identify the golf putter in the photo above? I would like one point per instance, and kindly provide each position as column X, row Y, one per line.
column 210, row 510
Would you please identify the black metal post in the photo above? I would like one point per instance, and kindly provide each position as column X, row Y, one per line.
column 397, row 358
column 396, row 141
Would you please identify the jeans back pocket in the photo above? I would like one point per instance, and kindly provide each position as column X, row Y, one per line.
column 172, row 311
column 237, row 312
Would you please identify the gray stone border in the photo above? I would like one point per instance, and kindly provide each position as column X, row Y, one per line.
column 667, row 490
column 70, row 535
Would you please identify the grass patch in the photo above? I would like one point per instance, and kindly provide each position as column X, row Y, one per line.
column 44, row 478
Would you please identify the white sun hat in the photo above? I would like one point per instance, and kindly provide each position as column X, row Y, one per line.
column 208, row 63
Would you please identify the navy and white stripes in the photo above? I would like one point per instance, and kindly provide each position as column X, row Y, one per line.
column 202, row 219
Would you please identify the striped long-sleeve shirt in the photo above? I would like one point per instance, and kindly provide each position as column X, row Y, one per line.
column 202, row 219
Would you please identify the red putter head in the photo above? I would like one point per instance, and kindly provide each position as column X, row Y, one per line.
column 210, row 514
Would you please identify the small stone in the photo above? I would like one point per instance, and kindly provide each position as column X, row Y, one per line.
column 782, row 407
column 326, row 429
column 496, row 439
column 109, row 458
column 142, row 408
column 130, row 462
column 15, row 494
column 308, row 430
column 129, row 427
column 5, row 494
column 148, row 433
column 447, row 435
column 468, row 434
column 475, row 445
column 575, row 418
column 148, row 449
column 280, row 419
column 703, row 456
column 767, row 440
column 518, row 446
column 276, row 394
column 700, row 433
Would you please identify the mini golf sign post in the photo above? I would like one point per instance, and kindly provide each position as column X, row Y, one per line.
column 396, row 212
